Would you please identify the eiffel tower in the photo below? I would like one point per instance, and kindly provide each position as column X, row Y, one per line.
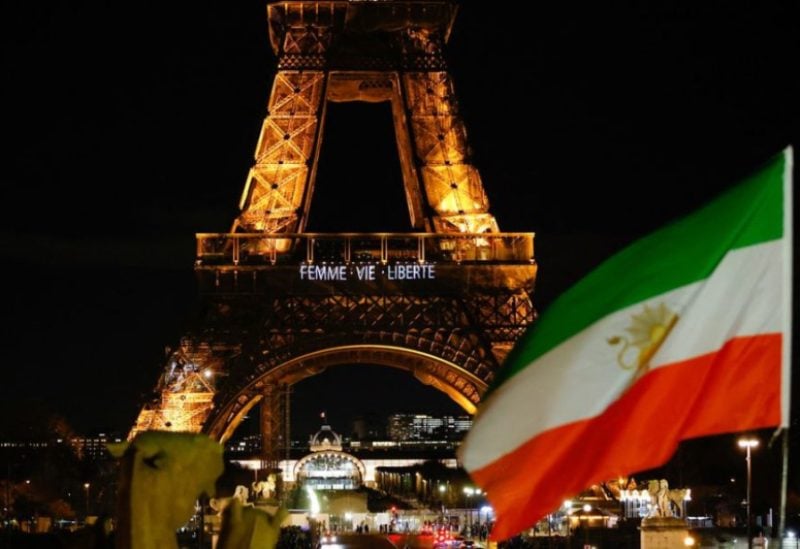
column 444, row 303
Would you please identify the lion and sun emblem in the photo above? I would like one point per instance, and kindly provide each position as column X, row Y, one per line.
column 647, row 332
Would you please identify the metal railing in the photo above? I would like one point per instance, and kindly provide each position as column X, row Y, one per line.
column 263, row 248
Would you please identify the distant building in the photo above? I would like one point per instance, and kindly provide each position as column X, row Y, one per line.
column 329, row 465
column 404, row 427
column 373, row 433
column 90, row 448
column 23, row 445
column 248, row 445
column 93, row 448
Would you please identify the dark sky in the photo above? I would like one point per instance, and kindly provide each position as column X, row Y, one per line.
column 130, row 126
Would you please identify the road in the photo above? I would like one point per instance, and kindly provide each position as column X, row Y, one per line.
column 377, row 541
column 356, row 541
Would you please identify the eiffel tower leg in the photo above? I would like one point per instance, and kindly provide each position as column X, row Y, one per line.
column 453, row 188
column 183, row 399
column 273, row 421
column 287, row 423
column 278, row 188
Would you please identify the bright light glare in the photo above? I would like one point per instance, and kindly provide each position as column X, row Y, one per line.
column 313, row 500
column 748, row 442
column 688, row 541
column 587, row 508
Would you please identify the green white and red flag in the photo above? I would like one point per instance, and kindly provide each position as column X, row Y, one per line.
column 685, row 333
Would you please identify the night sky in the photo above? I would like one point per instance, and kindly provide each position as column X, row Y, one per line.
column 130, row 126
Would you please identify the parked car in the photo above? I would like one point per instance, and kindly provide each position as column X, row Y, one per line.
column 327, row 538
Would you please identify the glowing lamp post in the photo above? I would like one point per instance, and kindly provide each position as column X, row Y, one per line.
column 486, row 511
column 586, row 509
column 567, row 512
column 86, row 487
column 469, row 492
column 747, row 444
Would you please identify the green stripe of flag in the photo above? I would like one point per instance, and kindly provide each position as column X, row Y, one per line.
column 678, row 254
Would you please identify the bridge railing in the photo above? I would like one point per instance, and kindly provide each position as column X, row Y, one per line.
column 271, row 249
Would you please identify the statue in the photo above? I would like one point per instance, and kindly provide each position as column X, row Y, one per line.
column 264, row 489
column 240, row 494
column 161, row 476
column 659, row 493
column 248, row 527
column 666, row 502
column 678, row 498
column 664, row 526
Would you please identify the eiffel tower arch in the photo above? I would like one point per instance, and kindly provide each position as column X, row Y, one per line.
column 445, row 302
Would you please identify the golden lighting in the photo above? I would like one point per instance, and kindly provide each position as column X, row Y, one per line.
column 448, row 209
column 443, row 188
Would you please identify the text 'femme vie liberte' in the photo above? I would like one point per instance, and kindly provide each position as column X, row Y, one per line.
column 368, row 272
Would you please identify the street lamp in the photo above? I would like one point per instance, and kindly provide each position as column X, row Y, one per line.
column 7, row 483
column 485, row 511
column 86, row 487
column 586, row 509
column 747, row 444
column 568, row 513
column 469, row 492
column 348, row 517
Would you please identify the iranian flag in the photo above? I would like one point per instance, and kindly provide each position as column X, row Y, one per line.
column 685, row 333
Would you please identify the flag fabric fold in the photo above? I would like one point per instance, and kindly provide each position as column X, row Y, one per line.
column 685, row 333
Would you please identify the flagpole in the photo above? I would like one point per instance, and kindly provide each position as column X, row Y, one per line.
column 788, row 189
column 784, row 487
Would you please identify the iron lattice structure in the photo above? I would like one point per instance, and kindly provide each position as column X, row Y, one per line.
column 280, row 305
column 364, row 51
